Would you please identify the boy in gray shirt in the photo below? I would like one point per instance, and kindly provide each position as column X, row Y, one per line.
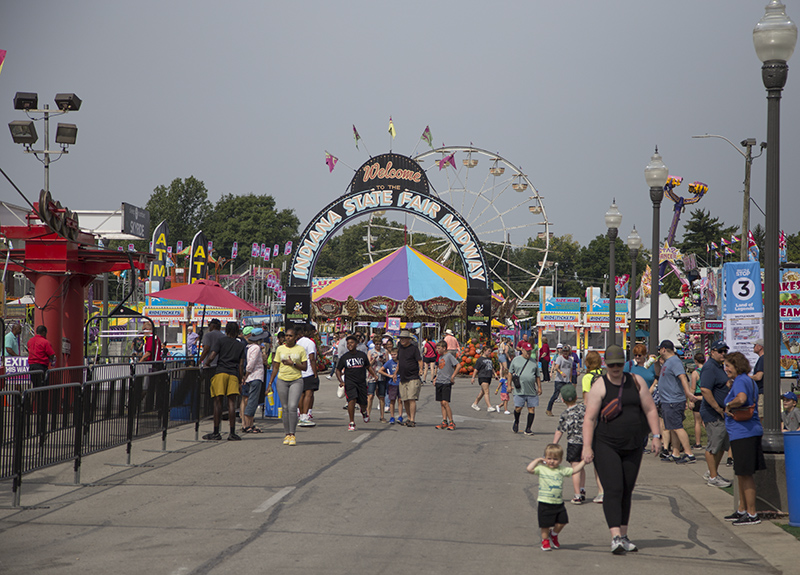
column 445, row 378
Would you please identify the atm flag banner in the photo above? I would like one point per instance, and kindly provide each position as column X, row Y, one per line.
column 158, row 247
column 198, row 259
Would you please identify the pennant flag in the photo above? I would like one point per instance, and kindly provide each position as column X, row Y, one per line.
column 288, row 249
column 391, row 128
column 729, row 251
column 724, row 242
column 275, row 250
column 734, row 239
column 331, row 160
column 707, row 248
column 715, row 246
column 355, row 135
column 427, row 136
column 2, row 59
column 451, row 159
column 716, row 253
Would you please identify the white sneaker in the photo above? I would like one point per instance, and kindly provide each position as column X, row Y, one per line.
column 719, row 481
column 329, row 376
column 506, row 412
column 490, row 409
column 386, row 409
column 475, row 407
column 497, row 409
column 706, row 476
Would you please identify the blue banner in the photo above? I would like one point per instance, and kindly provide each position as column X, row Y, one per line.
column 743, row 288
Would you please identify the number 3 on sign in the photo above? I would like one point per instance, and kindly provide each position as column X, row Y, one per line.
column 743, row 289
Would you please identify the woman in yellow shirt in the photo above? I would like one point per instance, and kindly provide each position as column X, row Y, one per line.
column 288, row 364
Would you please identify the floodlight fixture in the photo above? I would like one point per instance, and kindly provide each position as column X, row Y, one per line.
column 23, row 132
column 68, row 102
column 748, row 142
column 66, row 134
column 26, row 101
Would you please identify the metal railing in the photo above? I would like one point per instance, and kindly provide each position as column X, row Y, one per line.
column 65, row 414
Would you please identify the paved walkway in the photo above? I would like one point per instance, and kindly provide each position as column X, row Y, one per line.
column 384, row 499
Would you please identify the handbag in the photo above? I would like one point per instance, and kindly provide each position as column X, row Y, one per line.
column 745, row 412
column 613, row 409
column 515, row 377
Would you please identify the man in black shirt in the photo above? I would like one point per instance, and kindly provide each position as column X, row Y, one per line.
column 409, row 366
column 230, row 355
column 351, row 371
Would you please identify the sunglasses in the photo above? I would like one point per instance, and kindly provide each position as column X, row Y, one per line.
column 612, row 365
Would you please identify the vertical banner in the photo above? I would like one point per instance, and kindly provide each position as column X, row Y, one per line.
column 235, row 250
column 789, row 310
column 743, row 307
column 275, row 251
column 158, row 247
column 179, row 247
column 254, row 251
column 198, row 259
column 479, row 312
column 298, row 305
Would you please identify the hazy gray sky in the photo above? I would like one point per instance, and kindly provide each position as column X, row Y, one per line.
column 247, row 96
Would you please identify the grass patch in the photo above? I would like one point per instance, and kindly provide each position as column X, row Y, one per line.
column 789, row 529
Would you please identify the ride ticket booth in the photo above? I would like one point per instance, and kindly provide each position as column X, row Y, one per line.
column 594, row 331
column 559, row 319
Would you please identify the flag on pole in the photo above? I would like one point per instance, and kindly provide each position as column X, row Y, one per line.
column 708, row 249
column 288, row 249
column 451, row 159
column 427, row 136
column 235, row 250
column 782, row 247
column 729, row 251
column 2, row 59
column 331, row 160
column 716, row 253
column 355, row 135
column 724, row 242
column 734, row 239
column 751, row 239
column 391, row 128
column 275, row 249
column 715, row 246
column 254, row 250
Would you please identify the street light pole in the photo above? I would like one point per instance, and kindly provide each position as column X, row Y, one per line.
column 634, row 244
column 774, row 38
column 748, row 163
column 656, row 176
column 613, row 220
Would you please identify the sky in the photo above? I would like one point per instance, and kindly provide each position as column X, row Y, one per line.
column 248, row 96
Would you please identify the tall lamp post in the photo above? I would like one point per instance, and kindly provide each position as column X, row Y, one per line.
column 634, row 245
column 613, row 220
column 656, row 176
column 748, row 162
column 774, row 38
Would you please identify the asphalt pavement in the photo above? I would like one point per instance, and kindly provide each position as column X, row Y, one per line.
column 382, row 499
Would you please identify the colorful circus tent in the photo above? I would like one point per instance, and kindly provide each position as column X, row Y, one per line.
column 405, row 283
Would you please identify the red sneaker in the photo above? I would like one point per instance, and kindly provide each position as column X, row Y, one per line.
column 554, row 539
column 546, row 545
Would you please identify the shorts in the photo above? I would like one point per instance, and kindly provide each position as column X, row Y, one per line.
column 410, row 389
column 748, row 456
column 379, row 385
column 697, row 402
column 357, row 392
column 311, row 383
column 224, row 384
column 552, row 513
column 501, row 357
column 443, row 391
column 673, row 414
column 523, row 400
column 717, row 437
column 486, row 380
column 251, row 390
column 574, row 452
column 429, row 360
column 503, row 396
column 392, row 392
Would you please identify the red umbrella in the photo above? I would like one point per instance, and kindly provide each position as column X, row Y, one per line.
column 205, row 292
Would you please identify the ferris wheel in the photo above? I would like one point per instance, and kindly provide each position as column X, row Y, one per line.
column 500, row 204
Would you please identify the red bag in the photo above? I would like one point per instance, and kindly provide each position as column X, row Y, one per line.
column 613, row 409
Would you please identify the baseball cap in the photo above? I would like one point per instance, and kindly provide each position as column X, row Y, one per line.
column 759, row 342
column 719, row 345
column 614, row 354
column 789, row 395
column 667, row 344
column 525, row 345
column 248, row 330
column 568, row 393
column 559, row 346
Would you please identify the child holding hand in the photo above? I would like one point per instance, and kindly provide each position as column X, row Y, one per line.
column 551, row 510
column 503, row 389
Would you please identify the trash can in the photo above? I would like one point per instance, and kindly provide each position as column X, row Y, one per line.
column 272, row 403
column 791, row 448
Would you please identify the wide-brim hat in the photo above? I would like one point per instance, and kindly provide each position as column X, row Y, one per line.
column 406, row 333
column 447, row 331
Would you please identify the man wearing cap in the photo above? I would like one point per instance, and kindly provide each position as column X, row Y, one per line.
column 790, row 416
column 527, row 369
column 453, row 347
column 562, row 374
column 673, row 387
column 409, row 368
column 758, row 370
column 253, row 379
column 714, row 387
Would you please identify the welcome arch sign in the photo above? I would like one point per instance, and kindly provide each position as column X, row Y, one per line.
column 389, row 182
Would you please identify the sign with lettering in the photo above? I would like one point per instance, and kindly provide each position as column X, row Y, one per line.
column 135, row 221
column 391, row 172
column 158, row 268
column 198, row 258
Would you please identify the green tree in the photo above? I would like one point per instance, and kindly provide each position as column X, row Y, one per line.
column 249, row 219
column 185, row 206
column 700, row 230
column 593, row 262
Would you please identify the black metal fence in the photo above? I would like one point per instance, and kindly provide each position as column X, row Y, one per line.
column 61, row 415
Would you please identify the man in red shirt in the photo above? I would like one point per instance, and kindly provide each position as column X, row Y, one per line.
column 40, row 355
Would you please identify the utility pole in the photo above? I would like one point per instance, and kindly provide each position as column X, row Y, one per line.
column 748, row 162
